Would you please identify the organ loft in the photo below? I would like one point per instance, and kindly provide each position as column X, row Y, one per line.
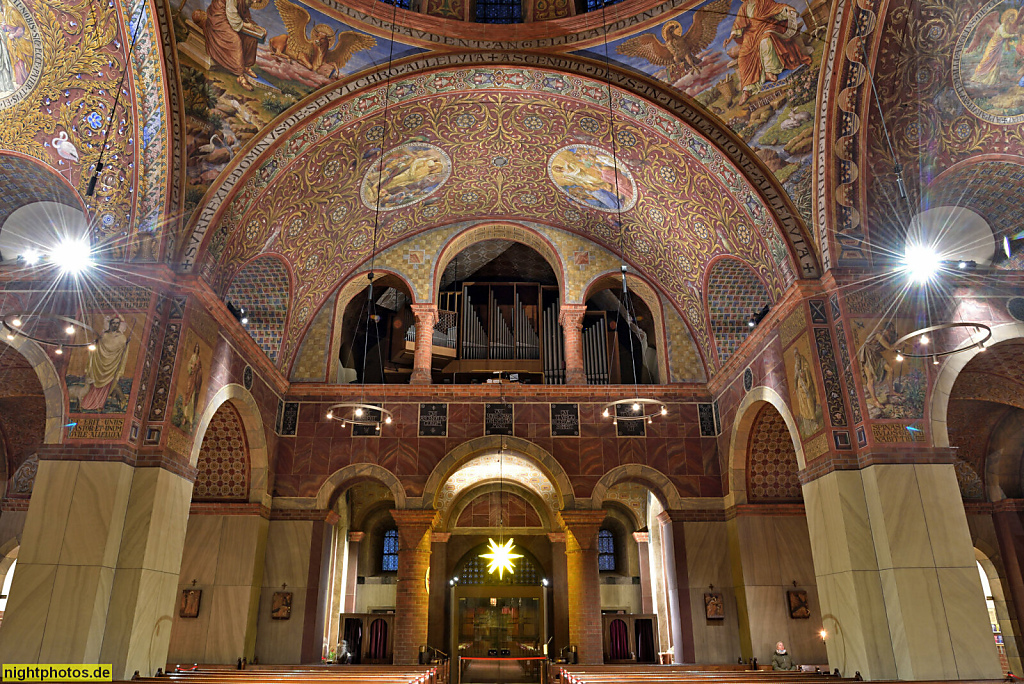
column 485, row 341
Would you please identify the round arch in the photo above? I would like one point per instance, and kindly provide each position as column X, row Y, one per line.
column 983, row 555
column 480, row 445
column 451, row 513
column 53, row 388
column 639, row 286
column 497, row 231
column 252, row 423
column 352, row 286
column 357, row 472
column 655, row 481
column 746, row 414
column 948, row 372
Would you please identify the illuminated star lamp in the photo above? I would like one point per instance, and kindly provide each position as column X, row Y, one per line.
column 501, row 557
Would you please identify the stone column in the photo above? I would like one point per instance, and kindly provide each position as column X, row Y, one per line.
column 571, row 318
column 677, row 585
column 646, row 596
column 1010, row 534
column 438, row 624
column 411, row 607
column 98, row 565
column 316, row 589
column 896, row 572
column 352, row 570
column 584, row 584
column 559, row 593
column 426, row 317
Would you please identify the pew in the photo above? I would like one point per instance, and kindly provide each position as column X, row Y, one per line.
column 682, row 674
column 301, row 674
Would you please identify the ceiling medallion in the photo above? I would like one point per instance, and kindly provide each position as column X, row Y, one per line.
column 500, row 557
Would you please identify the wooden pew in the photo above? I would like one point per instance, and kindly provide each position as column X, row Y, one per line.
column 302, row 674
column 681, row 674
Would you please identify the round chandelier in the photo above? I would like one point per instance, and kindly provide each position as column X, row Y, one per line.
column 355, row 413
column 50, row 330
column 634, row 409
column 917, row 344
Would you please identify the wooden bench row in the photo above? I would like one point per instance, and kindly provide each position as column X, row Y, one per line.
column 368, row 674
column 669, row 674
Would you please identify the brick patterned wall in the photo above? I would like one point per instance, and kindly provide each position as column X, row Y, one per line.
column 223, row 463
column 262, row 287
column 772, row 471
column 734, row 292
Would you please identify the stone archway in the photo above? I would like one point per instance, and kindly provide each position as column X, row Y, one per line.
column 654, row 480
column 746, row 415
column 357, row 472
column 53, row 388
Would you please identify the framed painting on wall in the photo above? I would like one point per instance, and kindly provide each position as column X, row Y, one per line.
column 189, row 607
column 798, row 606
column 281, row 606
column 714, row 607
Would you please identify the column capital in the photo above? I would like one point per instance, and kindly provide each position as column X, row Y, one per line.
column 426, row 314
column 666, row 517
column 642, row 537
column 413, row 524
column 356, row 536
column 571, row 315
column 584, row 526
column 440, row 537
column 556, row 537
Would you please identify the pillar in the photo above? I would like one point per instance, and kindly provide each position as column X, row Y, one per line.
column 426, row 317
column 677, row 585
column 98, row 564
column 317, row 583
column 571, row 318
column 411, row 601
column 438, row 591
column 1010, row 535
column 896, row 572
column 584, row 584
column 559, row 593
column 646, row 596
column 352, row 570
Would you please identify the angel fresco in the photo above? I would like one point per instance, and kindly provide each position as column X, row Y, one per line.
column 997, row 31
column 315, row 50
column 680, row 51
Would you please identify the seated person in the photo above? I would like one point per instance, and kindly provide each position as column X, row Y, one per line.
column 344, row 655
column 781, row 659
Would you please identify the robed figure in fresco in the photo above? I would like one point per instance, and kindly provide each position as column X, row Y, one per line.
column 769, row 43
column 106, row 366
column 193, row 386
column 12, row 70
column 1000, row 29
column 231, row 38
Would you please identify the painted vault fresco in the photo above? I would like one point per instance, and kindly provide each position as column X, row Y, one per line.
column 754, row 64
column 241, row 69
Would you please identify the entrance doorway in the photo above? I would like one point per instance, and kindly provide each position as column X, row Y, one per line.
column 499, row 633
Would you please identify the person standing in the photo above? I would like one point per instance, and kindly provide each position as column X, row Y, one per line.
column 231, row 38
column 766, row 33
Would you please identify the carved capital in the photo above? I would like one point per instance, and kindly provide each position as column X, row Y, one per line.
column 584, row 526
column 425, row 314
column 571, row 316
column 642, row 537
column 356, row 536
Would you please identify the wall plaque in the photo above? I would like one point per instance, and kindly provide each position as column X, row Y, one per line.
column 188, row 607
column 565, row 420
column 629, row 428
column 367, row 430
column 498, row 419
column 433, row 420
column 281, row 606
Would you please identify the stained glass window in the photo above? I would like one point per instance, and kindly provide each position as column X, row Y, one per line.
column 389, row 557
column 404, row 4
column 605, row 550
column 499, row 11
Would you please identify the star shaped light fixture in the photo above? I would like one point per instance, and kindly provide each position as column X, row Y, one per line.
column 501, row 557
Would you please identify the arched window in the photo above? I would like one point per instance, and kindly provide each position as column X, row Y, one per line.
column 499, row 11
column 605, row 550
column 389, row 555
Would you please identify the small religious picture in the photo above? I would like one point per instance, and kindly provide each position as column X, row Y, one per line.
column 281, row 606
column 190, row 603
column 798, row 607
column 714, row 608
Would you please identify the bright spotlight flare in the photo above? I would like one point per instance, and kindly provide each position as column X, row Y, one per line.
column 921, row 263
column 72, row 256
column 501, row 557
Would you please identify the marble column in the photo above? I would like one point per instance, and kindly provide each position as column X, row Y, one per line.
column 352, row 570
column 677, row 585
column 571, row 318
column 411, row 600
column 99, row 560
column 437, row 624
column 426, row 317
column 584, row 584
column 646, row 596
column 896, row 573
column 559, row 593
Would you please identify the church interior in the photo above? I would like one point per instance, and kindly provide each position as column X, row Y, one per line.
column 513, row 340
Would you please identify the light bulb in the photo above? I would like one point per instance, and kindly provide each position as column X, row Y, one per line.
column 10, row 336
column 377, row 428
column 330, row 415
column 615, row 422
column 58, row 351
column 981, row 346
column 924, row 339
column 245, row 320
column 342, row 423
column 605, row 413
column 636, row 407
column 16, row 322
column 650, row 421
column 388, row 420
column 72, row 256
column 664, row 411
column 31, row 257
column 70, row 330
column 359, row 412
column 91, row 347
column 935, row 360
column 899, row 357
column 921, row 263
